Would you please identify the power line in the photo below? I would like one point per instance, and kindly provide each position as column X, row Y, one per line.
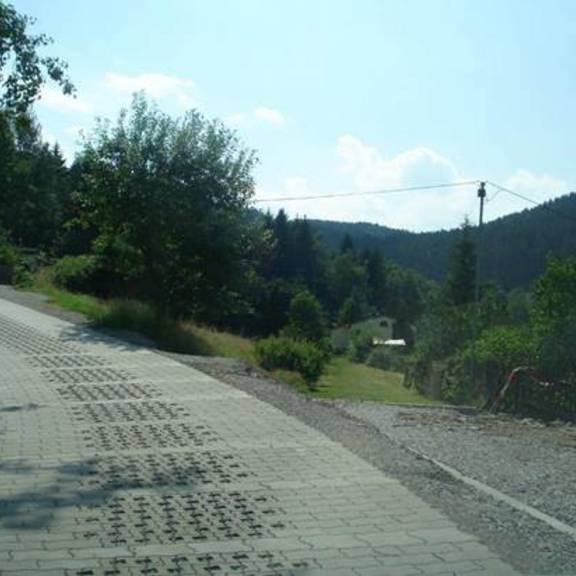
column 493, row 195
column 531, row 200
column 368, row 192
column 415, row 189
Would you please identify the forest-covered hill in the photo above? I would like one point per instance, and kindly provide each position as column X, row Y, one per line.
column 514, row 247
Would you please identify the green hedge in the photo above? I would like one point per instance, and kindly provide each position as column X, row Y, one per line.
column 280, row 352
column 387, row 358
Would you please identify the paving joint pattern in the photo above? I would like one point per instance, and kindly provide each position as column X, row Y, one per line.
column 117, row 460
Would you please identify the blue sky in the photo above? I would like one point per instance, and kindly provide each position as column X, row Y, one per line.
column 342, row 95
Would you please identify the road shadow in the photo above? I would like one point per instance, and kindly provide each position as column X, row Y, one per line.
column 19, row 408
column 116, row 340
column 36, row 509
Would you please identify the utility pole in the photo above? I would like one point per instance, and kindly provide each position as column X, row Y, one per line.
column 482, row 196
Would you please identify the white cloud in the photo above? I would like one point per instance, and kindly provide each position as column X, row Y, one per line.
column 54, row 99
column 269, row 115
column 539, row 187
column 371, row 170
column 361, row 167
column 296, row 187
column 260, row 115
column 158, row 86
column 367, row 169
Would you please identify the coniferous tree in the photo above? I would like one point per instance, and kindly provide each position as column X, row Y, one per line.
column 376, row 277
column 306, row 318
column 283, row 260
column 34, row 186
column 347, row 244
column 461, row 282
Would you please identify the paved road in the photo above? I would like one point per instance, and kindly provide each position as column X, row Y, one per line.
column 118, row 460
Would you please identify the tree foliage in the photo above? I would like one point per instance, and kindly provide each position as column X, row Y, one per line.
column 554, row 319
column 505, row 348
column 34, row 184
column 23, row 70
column 555, row 295
column 515, row 248
column 306, row 319
column 166, row 197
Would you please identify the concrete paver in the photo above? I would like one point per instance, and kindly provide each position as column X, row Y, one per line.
column 117, row 460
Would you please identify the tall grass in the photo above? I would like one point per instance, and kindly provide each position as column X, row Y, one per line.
column 167, row 333
column 91, row 307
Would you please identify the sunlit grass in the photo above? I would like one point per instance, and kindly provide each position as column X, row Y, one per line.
column 349, row 380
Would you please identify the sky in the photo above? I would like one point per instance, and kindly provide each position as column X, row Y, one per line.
column 341, row 96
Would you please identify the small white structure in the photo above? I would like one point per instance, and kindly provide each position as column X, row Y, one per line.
column 381, row 328
column 397, row 342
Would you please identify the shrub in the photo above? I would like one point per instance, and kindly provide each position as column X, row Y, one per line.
column 361, row 343
column 28, row 265
column 386, row 358
column 8, row 254
column 77, row 273
column 281, row 352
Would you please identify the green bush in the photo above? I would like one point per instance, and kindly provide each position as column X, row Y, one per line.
column 8, row 254
column 387, row 358
column 77, row 273
column 28, row 265
column 280, row 352
column 361, row 344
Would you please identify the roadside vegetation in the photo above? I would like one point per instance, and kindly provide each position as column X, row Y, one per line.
column 151, row 229
column 133, row 316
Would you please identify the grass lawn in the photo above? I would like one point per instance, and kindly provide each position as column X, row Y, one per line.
column 349, row 380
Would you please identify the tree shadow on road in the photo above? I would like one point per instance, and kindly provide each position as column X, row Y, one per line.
column 116, row 340
column 36, row 508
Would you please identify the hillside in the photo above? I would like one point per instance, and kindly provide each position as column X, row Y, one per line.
column 515, row 247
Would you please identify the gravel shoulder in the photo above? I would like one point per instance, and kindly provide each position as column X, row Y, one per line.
column 521, row 457
column 524, row 459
